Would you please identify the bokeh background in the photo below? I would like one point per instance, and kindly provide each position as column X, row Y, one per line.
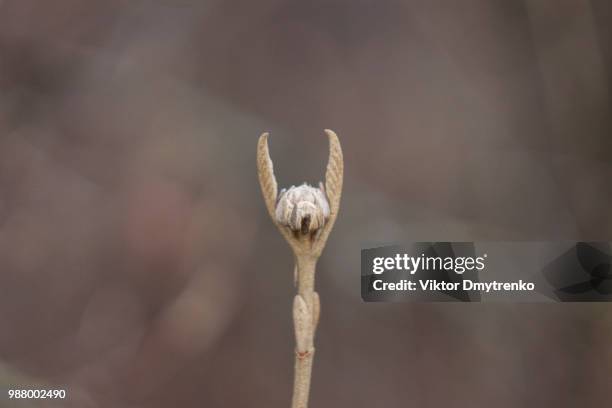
column 137, row 264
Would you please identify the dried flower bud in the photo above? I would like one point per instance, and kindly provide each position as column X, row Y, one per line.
column 303, row 209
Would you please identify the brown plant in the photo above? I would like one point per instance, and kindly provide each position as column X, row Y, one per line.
column 305, row 216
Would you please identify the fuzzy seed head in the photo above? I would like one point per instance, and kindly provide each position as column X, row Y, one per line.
column 303, row 209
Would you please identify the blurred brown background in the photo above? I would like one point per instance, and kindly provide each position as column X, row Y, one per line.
column 137, row 264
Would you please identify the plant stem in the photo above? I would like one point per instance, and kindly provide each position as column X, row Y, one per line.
column 306, row 317
column 306, row 277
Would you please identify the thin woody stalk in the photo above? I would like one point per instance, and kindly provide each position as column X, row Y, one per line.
column 305, row 216
column 305, row 301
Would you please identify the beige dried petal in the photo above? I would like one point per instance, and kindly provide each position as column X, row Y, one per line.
column 333, row 188
column 265, row 171
column 335, row 173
